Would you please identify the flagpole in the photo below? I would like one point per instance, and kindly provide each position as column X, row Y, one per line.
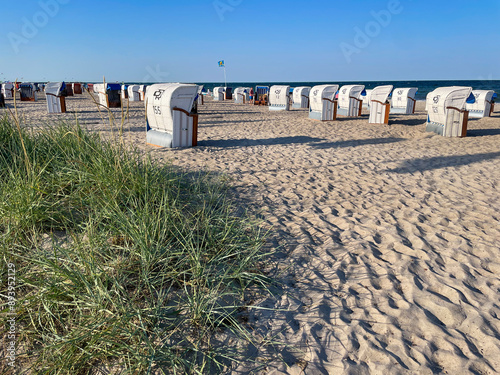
column 225, row 81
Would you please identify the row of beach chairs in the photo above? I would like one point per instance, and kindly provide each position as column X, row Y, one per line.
column 448, row 108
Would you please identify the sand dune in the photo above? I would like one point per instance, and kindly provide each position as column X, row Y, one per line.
column 389, row 237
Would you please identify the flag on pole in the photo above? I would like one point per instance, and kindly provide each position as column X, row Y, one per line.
column 221, row 64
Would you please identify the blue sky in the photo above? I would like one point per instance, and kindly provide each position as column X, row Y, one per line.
column 325, row 40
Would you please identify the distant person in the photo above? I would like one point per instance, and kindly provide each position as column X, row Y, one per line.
column 251, row 95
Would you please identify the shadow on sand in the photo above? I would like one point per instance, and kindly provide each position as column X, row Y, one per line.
column 482, row 132
column 356, row 142
column 245, row 142
column 427, row 164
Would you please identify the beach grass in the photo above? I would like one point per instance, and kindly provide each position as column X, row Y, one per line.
column 122, row 264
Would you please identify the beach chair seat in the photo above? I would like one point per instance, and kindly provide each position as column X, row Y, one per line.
column 68, row 90
column 28, row 92
column 172, row 120
column 54, row 94
column 261, row 95
column 300, row 97
column 349, row 99
column 403, row 100
column 322, row 102
column 228, row 93
column 379, row 105
column 279, row 98
column 77, row 88
column 446, row 113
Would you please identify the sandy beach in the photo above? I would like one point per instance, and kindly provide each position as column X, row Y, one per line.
column 387, row 238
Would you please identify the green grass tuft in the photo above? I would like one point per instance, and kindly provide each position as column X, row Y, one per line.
column 121, row 263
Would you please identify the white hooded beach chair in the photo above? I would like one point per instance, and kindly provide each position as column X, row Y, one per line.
column 403, row 100
column 99, row 89
column 28, row 92
column 366, row 98
column 8, row 90
column 218, row 93
column 322, row 103
column 56, row 102
column 142, row 92
column 349, row 100
column 109, row 94
column 446, row 113
column 199, row 99
column 279, row 98
column 238, row 95
column 241, row 95
column 301, row 97
column 379, row 105
column 124, row 92
column 133, row 93
column 483, row 106
column 171, row 118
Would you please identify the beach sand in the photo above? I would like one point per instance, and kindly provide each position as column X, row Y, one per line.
column 387, row 238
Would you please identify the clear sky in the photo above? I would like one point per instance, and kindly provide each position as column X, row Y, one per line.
column 325, row 40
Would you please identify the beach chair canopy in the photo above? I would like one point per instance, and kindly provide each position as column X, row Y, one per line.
column 400, row 96
column 279, row 96
column 348, row 92
column 113, row 87
column 444, row 97
column 99, row 87
column 55, row 88
column 163, row 98
column 261, row 90
column 320, row 93
column 482, row 102
column 133, row 88
column 300, row 92
column 381, row 93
